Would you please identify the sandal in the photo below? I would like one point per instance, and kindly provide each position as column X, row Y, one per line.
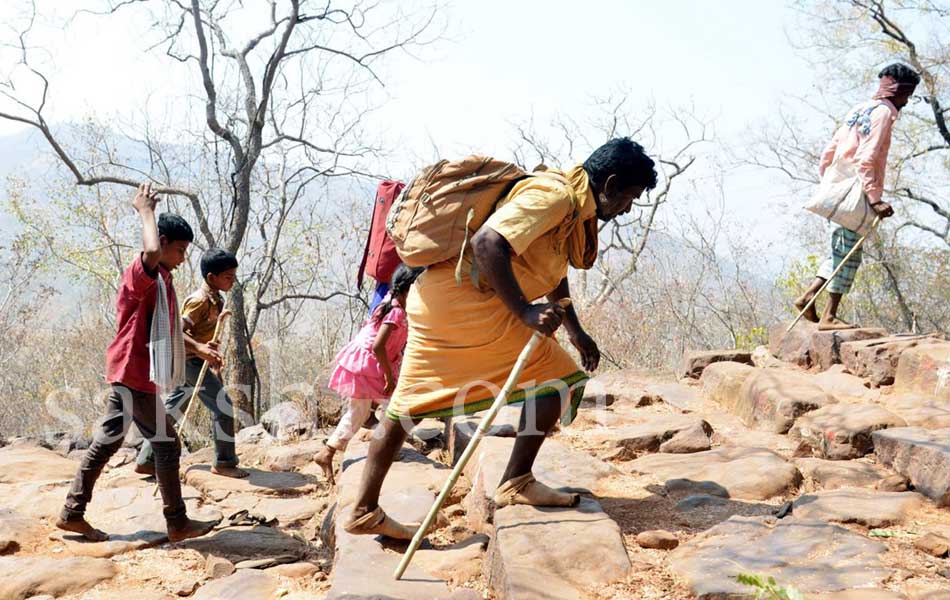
column 378, row 523
column 527, row 490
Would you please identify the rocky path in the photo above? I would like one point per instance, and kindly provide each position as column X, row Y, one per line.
column 822, row 461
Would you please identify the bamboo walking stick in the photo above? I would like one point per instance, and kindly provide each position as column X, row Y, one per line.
column 837, row 270
column 483, row 427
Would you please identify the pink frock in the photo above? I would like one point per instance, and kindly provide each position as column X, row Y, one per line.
column 358, row 375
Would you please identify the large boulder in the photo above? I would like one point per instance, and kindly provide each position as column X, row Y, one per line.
column 921, row 455
column 26, row 577
column 771, row 399
column 286, row 421
column 694, row 363
column 843, row 431
column 925, row 370
column 558, row 553
column 869, row 508
column 793, row 346
column 723, row 380
column 745, row 473
column 876, row 359
column 810, row 555
column 826, row 345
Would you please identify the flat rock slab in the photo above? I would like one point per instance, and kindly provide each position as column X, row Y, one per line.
column 362, row 565
column 265, row 483
column 557, row 466
column 290, row 457
column 826, row 345
column 27, row 464
column 722, row 382
column 795, row 346
column 628, row 386
column 921, row 455
column 813, row 556
column 746, row 473
column 457, row 563
column 920, row 411
column 844, row 386
column 925, row 370
column 683, row 398
column 459, row 430
column 248, row 543
column 648, row 435
column 285, row 511
column 861, row 506
column 876, row 360
column 834, row 474
column 19, row 533
column 25, row 577
column 694, row 363
column 243, row 585
column 843, row 431
column 554, row 552
column 771, row 399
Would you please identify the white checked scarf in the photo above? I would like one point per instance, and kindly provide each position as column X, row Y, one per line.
column 166, row 348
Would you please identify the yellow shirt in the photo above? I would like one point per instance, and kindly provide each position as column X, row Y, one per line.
column 548, row 229
column 199, row 314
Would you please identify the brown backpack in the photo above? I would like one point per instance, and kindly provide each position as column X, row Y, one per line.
column 436, row 214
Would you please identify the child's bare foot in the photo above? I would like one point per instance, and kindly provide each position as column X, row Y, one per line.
column 146, row 469
column 324, row 458
column 83, row 528
column 365, row 435
column 234, row 472
column 811, row 314
column 190, row 529
column 833, row 324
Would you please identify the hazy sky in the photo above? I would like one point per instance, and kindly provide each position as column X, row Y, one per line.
column 504, row 60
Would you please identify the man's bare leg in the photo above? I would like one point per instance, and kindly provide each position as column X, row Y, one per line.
column 366, row 516
column 829, row 319
column 811, row 314
column 538, row 418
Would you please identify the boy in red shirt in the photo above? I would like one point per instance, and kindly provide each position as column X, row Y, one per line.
column 145, row 359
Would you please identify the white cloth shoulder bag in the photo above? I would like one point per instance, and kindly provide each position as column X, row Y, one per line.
column 840, row 198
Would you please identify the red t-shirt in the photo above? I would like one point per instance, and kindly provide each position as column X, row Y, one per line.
column 127, row 359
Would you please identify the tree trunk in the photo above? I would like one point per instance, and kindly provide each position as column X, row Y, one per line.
column 240, row 375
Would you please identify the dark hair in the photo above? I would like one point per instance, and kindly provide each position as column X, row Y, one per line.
column 215, row 261
column 900, row 72
column 402, row 279
column 174, row 228
column 625, row 159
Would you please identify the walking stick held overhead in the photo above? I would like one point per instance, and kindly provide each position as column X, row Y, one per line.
column 834, row 274
column 483, row 427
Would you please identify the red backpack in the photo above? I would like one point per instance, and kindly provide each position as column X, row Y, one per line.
column 379, row 257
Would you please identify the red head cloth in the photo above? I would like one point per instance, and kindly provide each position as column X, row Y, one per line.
column 890, row 87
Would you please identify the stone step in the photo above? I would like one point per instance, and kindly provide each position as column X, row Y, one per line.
column 362, row 565
column 557, row 466
column 921, row 455
column 722, row 382
column 843, row 431
column 524, row 560
column 844, row 386
column 649, row 434
column 629, row 386
column 811, row 555
column 806, row 347
column 876, row 359
column 771, row 399
column 694, row 363
column 919, row 410
column 834, row 474
column 925, row 370
column 459, row 430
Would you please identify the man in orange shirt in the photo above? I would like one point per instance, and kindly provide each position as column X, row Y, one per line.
column 865, row 139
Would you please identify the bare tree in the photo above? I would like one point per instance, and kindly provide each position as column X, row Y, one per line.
column 280, row 113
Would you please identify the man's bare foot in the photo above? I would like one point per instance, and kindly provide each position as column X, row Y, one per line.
column 190, row 529
column 525, row 489
column 834, row 325
column 146, row 469
column 378, row 523
column 324, row 458
column 83, row 528
column 811, row 314
column 234, row 472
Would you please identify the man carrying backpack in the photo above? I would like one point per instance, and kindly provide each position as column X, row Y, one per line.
column 465, row 335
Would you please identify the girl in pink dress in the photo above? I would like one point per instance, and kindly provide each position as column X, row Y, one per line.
column 367, row 367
